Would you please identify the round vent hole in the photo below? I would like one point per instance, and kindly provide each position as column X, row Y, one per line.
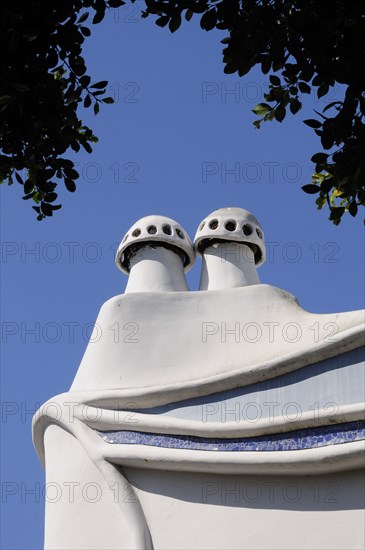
column 230, row 225
column 167, row 229
column 247, row 229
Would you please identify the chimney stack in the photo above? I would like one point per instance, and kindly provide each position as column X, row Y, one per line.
column 231, row 243
column 155, row 253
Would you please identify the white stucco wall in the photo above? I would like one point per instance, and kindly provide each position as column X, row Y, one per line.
column 189, row 511
column 156, row 349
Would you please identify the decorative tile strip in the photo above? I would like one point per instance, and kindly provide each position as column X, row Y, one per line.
column 291, row 441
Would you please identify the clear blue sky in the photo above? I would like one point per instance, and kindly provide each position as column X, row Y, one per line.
column 165, row 147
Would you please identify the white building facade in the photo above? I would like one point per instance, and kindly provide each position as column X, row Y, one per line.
column 227, row 417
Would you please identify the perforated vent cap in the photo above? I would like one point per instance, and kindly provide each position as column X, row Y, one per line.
column 155, row 229
column 232, row 224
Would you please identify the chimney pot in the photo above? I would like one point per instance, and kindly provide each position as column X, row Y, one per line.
column 231, row 243
column 232, row 224
column 155, row 252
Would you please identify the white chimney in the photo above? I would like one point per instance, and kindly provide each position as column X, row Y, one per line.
column 155, row 253
column 231, row 243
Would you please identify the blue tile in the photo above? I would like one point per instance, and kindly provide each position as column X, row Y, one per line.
column 297, row 440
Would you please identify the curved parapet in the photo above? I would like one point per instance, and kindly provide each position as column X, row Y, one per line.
column 216, row 339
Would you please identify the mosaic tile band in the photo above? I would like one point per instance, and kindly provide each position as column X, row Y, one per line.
column 291, row 441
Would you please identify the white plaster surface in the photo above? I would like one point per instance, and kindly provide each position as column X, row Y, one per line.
column 78, row 500
column 228, row 265
column 220, row 339
column 162, row 508
column 155, row 348
column 88, row 500
column 156, row 269
column 254, row 512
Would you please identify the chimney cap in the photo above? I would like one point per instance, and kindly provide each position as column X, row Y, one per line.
column 155, row 230
column 231, row 224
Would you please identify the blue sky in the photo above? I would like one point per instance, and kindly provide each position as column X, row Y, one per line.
column 178, row 141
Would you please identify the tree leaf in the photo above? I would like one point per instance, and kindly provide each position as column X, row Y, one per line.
column 100, row 85
column 261, row 109
column 327, row 185
column 327, row 140
column 79, row 69
column 322, row 90
column 83, row 17
column 295, row 106
column 30, row 196
column 304, row 88
column 71, row 173
column 280, row 113
column 275, row 80
column 162, row 21
column 115, row 3
column 320, row 158
column 332, row 104
column 18, row 178
column 312, row 123
column 209, row 20
column 28, row 186
column 50, row 197
column 85, row 81
column 46, row 209
column 265, row 64
column 175, row 22
column 189, row 14
column 99, row 16
column 85, row 31
column 311, row 189
column 337, row 212
column 70, row 185
column 230, row 68
column 87, row 146
column 353, row 208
